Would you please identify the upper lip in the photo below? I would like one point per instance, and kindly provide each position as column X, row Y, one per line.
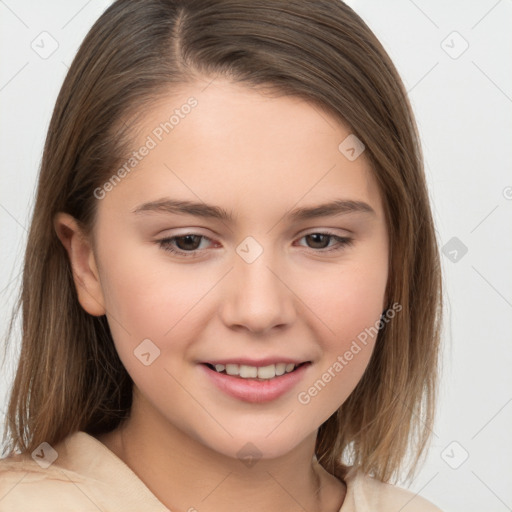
column 256, row 362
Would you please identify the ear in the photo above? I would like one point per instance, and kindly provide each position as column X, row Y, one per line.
column 83, row 263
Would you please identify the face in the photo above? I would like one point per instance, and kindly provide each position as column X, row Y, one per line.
column 250, row 275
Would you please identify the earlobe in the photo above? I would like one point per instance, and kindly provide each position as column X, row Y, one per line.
column 83, row 263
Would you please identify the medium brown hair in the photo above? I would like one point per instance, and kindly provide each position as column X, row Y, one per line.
column 69, row 375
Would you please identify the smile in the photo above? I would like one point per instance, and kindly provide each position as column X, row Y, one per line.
column 243, row 382
column 252, row 372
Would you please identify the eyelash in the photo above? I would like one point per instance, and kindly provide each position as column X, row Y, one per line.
column 165, row 243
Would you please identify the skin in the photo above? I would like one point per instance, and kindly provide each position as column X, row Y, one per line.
column 258, row 156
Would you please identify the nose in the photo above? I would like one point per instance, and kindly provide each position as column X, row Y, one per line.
column 257, row 297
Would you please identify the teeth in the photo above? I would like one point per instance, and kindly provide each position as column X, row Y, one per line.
column 280, row 368
column 232, row 369
column 248, row 372
column 267, row 372
column 252, row 372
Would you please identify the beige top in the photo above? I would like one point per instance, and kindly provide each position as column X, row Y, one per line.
column 88, row 477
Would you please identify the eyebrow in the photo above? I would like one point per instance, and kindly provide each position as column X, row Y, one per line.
column 332, row 208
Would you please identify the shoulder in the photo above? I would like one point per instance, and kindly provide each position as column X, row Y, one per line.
column 366, row 493
column 24, row 485
column 79, row 473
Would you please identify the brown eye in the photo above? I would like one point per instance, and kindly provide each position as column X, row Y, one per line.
column 183, row 245
column 320, row 241
column 188, row 242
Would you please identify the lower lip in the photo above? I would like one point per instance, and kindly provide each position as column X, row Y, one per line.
column 253, row 390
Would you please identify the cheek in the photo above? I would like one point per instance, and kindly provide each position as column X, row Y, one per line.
column 344, row 358
column 145, row 292
column 140, row 303
column 347, row 303
column 153, row 322
column 346, row 298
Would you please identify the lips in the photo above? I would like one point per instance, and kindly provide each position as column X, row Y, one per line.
column 251, row 389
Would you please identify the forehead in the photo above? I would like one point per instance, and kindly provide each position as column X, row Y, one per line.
column 219, row 141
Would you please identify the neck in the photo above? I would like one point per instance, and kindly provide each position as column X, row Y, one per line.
column 186, row 476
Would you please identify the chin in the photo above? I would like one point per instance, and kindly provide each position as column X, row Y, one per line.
column 251, row 448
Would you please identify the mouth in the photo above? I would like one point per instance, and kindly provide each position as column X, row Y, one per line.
column 259, row 373
column 255, row 384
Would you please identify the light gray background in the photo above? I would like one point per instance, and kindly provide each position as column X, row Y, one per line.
column 463, row 103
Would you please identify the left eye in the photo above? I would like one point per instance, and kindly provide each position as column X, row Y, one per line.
column 190, row 243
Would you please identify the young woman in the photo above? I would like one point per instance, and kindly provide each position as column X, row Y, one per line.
column 231, row 295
